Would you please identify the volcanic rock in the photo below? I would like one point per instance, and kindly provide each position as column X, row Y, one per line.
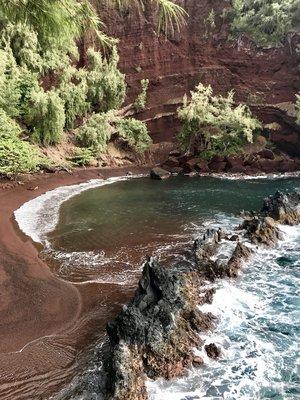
column 241, row 253
column 198, row 361
column 212, row 351
column 283, row 207
column 266, row 153
column 159, row 173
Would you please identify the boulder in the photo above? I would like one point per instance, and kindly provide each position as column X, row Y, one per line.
column 172, row 162
column 172, row 170
column 189, row 166
column 269, row 166
column 217, row 166
column 212, row 351
column 159, row 173
column 238, row 169
column 266, row 153
column 241, row 253
column 261, row 230
column 175, row 153
column 283, row 207
column 202, row 167
column 287, row 166
column 234, row 161
column 198, row 361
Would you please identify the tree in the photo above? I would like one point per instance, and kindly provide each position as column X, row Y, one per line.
column 215, row 122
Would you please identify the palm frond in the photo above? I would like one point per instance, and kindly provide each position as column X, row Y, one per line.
column 171, row 17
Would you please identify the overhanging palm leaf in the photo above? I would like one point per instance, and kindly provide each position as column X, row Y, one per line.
column 170, row 16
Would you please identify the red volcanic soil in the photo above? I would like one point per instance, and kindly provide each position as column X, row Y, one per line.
column 264, row 76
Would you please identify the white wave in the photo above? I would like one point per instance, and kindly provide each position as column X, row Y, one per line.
column 40, row 215
column 256, row 316
column 272, row 176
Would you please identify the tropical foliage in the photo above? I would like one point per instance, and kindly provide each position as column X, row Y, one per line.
column 266, row 21
column 42, row 89
column 15, row 154
column 98, row 130
column 141, row 100
column 222, row 127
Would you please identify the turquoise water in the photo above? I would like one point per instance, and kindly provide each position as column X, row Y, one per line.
column 103, row 235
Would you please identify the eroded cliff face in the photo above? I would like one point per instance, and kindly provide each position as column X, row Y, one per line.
column 262, row 77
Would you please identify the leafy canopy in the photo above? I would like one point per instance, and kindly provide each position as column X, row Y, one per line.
column 217, row 119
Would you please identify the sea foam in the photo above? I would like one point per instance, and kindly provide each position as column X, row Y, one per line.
column 40, row 215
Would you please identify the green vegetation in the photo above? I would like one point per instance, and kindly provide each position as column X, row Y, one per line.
column 15, row 154
column 169, row 16
column 99, row 129
column 141, row 100
column 298, row 108
column 81, row 157
column 42, row 91
column 266, row 21
column 222, row 127
column 45, row 115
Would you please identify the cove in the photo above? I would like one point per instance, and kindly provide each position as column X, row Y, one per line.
column 102, row 238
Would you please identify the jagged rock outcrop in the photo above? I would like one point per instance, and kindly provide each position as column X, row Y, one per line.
column 154, row 335
column 284, row 208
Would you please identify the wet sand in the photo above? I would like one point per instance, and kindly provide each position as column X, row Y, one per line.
column 39, row 313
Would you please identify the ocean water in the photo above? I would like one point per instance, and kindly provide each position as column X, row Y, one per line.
column 101, row 236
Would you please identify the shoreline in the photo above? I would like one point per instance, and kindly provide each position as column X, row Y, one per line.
column 35, row 305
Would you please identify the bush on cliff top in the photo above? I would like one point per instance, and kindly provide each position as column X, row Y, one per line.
column 222, row 127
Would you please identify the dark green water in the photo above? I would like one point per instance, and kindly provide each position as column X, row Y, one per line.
column 103, row 235
column 140, row 212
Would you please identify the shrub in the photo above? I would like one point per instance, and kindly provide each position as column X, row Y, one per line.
column 16, row 156
column 95, row 133
column 266, row 21
column 140, row 102
column 134, row 131
column 9, row 84
column 221, row 126
column 46, row 117
column 75, row 101
column 98, row 130
column 82, row 157
column 8, row 127
column 106, row 84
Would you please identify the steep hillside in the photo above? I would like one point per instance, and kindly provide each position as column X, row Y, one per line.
column 262, row 77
